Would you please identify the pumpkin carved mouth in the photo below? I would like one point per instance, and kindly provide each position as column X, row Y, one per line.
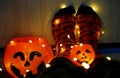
column 84, row 61
column 16, row 71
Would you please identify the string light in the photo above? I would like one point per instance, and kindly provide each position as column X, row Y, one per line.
column 47, row 65
column 30, row 41
column 0, row 69
column 54, row 48
column 57, row 21
column 71, row 46
column 62, row 50
column 74, row 59
column 68, row 36
column 24, row 75
column 85, row 65
column 27, row 70
column 81, row 44
column 95, row 7
column 12, row 42
column 102, row 32
column 43, row 45
column 63, row 5
column 60, row 45
column 108, row 58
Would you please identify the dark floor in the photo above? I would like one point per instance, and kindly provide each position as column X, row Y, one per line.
column 63, row 68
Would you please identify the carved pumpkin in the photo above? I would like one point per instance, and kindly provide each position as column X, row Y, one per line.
column 83, row 53
column 26, row 54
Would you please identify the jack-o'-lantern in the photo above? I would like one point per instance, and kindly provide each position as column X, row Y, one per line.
column 81, row 54
column 26, row 54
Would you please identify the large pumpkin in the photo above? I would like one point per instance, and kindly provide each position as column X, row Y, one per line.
column 26, row 54
column 83, row 53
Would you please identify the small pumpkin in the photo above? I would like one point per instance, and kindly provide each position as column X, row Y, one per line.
column 83, row 53
column 26, row 54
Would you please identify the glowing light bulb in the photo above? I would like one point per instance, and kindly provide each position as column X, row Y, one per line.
column 54, row 48
column 71, row 46
column 102, row 32
column 76, row 26
column 95, row 7
column 47, row 65
column 39, row 39
column 74, row 59
column 77, row 30
column 12, row 42
column 0, row 69
column 68, row 36
column 85, row 65
column 108, row 58
column 62, row 50
column 63, row 5
column 57, row 21
column 30, row 41
column 43, row 45
column 61, row 45
column 81, row 44
column 24, row 75
column 27, row 70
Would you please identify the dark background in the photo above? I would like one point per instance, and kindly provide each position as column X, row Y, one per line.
column 33, row 18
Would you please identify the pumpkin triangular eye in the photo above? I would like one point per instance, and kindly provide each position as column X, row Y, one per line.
column 33, row 54
column 19, row 54
column 78, row 52
column 87, row 51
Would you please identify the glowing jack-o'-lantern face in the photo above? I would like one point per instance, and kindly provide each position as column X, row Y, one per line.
column 83, row 53
column 26, row 54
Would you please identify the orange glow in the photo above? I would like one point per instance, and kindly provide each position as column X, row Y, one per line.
column 63, row 5
column 57, row 21
column 62, row 50
column 77, row 26
column 77, row 33
column 30, row 50
column 82, row 53
column 77, row 30
column 12, row 42
column 95, row 7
